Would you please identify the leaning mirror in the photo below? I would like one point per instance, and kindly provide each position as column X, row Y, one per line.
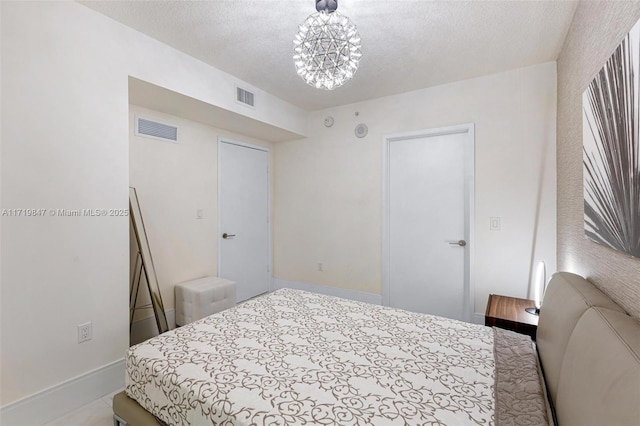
column 143, row 268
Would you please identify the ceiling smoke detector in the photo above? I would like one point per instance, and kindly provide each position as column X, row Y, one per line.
column 361, row 130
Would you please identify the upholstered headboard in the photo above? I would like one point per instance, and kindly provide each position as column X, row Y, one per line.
column 590, row 353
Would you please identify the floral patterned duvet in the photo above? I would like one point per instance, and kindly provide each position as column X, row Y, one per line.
column 298, row 358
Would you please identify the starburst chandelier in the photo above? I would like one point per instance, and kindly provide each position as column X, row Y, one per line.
column 326, row 49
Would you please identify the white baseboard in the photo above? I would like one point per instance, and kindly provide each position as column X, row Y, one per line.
column 478, row 318
column 147, row 328
column 58, row 400
column 359, row 296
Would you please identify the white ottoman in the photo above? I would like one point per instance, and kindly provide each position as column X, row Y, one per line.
column 202, row 297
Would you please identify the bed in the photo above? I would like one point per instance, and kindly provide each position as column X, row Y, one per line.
column 298, row 358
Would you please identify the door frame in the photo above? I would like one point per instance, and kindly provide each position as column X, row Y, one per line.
column 222, row 140
column 469, row 226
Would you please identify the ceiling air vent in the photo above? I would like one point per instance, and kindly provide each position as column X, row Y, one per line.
column 153, row 129
column 244, row 96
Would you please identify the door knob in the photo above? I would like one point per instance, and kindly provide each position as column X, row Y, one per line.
column 226, row 236
column 460, row 243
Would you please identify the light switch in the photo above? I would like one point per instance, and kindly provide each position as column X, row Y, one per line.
column 494, row 223
column 199, row 214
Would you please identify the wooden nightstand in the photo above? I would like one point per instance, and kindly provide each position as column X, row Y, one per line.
column 508, row 313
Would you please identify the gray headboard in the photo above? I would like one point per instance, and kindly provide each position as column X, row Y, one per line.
column 590, row 353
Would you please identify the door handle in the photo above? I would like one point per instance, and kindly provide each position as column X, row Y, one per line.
column 228, row 236
column 460, row 243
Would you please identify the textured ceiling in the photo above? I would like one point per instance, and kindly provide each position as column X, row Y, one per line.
column 406, row 44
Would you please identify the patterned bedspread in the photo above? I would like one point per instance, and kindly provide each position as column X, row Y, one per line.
column 297, row 358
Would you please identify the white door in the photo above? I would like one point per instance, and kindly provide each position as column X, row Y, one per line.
column 429, row 197
column 243, row 214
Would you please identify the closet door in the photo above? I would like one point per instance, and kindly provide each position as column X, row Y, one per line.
column 243, row 205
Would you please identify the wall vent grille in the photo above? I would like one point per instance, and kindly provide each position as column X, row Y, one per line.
column 244, row 96
column 145, row 127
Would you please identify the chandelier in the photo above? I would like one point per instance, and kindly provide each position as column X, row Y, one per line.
column 326, row 49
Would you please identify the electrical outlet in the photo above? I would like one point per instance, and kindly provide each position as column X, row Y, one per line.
column 320, row 266
column 84, row 332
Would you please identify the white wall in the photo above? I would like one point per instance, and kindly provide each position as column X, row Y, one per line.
column 328, row 186
column 173, row 182
column 65, row 145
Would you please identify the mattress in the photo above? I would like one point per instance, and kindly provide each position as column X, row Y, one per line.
column 296, row 358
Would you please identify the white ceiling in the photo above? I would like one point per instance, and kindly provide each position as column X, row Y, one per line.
column 406, row 44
